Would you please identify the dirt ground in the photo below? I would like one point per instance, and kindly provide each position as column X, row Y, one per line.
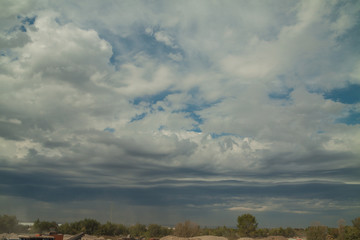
column 9, row 236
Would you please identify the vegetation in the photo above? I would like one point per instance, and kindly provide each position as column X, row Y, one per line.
column 316, row 233
column 246, row 226
column 352, row 232
column 158, row 231
column 88, row 226
column 93, row 227
column 44, row 226
column 138, row 230
column 229, row 233
column 187, row 229
column 112, row 229
column 10, row 224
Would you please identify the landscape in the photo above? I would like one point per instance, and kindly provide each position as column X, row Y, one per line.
column 247, row 229
column 149, row 119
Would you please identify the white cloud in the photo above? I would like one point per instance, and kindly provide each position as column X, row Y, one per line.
column 64, row 52
column 161, row 36
column 72, row 64
column 60, row 91
column 176, row 56
column 17, row 39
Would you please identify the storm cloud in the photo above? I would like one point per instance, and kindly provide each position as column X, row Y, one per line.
column 165, row 111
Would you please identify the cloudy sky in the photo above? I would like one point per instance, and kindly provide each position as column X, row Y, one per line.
column 163, row 111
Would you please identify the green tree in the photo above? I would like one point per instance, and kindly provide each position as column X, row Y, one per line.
column 8, row 224
column 90, row 226
column 316, row 233
column 333, row 233
column 76, row 227
column 158, row 231
column 353, row 232
column 108, row 229
column 247, row 225
column 187, row 229
column 65, row 228
column 154, row 230
column 44, row 226
column 137, row 230
column 121, row 230
column 356, row 223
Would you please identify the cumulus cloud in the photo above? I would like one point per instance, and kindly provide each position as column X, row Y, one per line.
column 200, row 110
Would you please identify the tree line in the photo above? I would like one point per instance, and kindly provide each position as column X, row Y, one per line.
column 247, row 226
column 93, row 227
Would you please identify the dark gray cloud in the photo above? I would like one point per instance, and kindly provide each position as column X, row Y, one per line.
column 180, row 110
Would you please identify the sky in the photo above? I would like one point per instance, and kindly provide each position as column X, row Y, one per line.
column 166, row 111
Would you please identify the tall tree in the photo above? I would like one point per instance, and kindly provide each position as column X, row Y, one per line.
column 247, row 225
column 8, row 224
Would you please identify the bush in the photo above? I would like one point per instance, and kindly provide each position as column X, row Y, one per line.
column 108, row 229
column 262, row 232
column 157, row 231
column 44, row 226
column 88, row 226
column 8, row 224
column 353, row 232
column 316, row 233
column 187, row 229
column 137, row 230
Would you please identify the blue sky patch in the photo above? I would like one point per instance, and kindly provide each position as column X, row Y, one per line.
column 348, row 95
column 153, row 99
column 136, row 42
column 352, row 118
column 195, row 117
column 22, row 28
column 138, row 117
column 197, row 103
column 109, row 129
column 28, row 20
column 196, row 129
column 218, row 135
column 282, row 95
